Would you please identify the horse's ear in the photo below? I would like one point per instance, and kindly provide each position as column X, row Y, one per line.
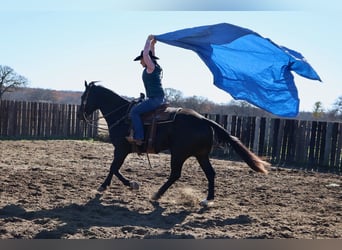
column 85, row 84
column 92, row 83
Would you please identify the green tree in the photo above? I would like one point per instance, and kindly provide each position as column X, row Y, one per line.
column 318, row 110
column 10, row 80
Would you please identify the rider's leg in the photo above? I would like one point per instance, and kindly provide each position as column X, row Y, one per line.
column 136, row 112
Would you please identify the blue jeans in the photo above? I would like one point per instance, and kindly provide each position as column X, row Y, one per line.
column 143, row 107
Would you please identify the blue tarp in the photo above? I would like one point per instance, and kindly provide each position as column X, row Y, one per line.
column 246, row 65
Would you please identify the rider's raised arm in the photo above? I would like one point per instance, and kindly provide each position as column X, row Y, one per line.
column 149, row 46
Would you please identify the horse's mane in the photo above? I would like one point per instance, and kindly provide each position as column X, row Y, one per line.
column 109, row 94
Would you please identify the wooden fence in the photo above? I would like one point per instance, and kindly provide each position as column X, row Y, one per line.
column 42, row 120
column 311, row 145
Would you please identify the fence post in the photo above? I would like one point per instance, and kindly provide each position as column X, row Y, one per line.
column 328, row 142
column 338, row 158
column 262, row 136
column 256, row 135
column 323, row 129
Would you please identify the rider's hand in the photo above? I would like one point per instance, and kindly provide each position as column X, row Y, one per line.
column 150, row 38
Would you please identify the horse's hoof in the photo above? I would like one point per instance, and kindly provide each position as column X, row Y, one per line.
column 134, row 185
column 101, row 189
column 206, row 203
column 155, row 197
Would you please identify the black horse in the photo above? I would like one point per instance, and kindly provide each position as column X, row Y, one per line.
column 190, row 134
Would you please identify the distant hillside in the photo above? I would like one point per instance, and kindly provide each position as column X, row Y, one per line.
column 44, row 95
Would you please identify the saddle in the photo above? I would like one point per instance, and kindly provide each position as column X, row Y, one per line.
column 163, row 114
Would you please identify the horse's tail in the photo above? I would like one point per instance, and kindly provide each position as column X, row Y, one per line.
column 248, row 156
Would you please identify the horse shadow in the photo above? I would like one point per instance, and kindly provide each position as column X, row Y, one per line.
column 74, row 217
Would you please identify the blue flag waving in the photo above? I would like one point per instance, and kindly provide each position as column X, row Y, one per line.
column 246, row 65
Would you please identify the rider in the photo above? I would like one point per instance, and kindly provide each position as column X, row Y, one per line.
column 151, row 76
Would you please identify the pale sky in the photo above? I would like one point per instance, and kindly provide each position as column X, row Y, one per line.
column 59, row 44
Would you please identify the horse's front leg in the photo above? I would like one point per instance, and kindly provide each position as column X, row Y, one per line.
column 119, row 158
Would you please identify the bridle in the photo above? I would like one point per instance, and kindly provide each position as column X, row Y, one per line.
column 93, row 122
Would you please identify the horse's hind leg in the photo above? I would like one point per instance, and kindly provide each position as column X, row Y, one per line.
column 176, row 170
column 209, row 173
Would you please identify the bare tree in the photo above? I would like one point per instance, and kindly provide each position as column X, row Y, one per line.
column 337, row 108
column 198, row 103
column 173, row 96
column 10, row 80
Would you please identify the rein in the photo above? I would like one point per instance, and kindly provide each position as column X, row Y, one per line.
column 93, row 121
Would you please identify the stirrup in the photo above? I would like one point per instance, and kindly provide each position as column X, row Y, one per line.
column 130, row 139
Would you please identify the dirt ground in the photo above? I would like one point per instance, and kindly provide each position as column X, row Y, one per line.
column 48, row 189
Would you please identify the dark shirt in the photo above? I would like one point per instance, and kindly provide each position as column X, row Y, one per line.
column 152, row 82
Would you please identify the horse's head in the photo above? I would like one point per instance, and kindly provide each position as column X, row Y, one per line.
column 88, row 101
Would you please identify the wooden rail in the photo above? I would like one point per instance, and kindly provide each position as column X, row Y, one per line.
column 313, row 145
column 42, row 120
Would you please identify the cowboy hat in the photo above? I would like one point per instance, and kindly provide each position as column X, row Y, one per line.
column 138, row 58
